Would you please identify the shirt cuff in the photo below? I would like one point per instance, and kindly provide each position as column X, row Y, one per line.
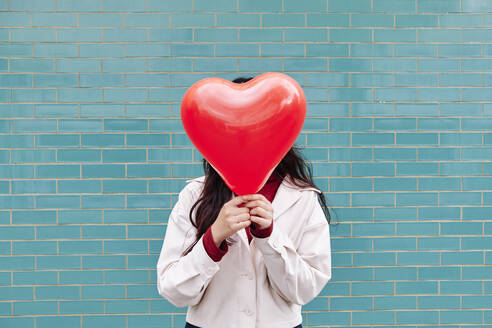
column 261, row 233
column 215, row 253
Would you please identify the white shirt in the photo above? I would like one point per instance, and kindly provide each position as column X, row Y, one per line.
column 262, row 284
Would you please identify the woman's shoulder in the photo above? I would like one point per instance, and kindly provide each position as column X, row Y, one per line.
column 198, row 179
column 191, row 191
column 195, row 185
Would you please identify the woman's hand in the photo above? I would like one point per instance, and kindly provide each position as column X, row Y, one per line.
column 260, row 210
column 232, row 217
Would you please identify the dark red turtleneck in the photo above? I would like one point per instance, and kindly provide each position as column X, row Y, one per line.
column 268, row 190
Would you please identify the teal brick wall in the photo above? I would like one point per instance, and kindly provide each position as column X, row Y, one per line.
column 93, row 153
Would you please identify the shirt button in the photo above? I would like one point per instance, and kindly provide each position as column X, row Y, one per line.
column 249, row 312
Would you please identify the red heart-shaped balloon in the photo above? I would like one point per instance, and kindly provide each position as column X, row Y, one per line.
column 244, row 130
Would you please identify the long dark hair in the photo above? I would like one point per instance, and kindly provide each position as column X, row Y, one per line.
column 215, row 192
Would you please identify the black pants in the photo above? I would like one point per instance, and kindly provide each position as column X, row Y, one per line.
column 189, row 325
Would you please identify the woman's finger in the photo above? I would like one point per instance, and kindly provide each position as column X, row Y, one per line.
column 242, row 224
column 259, row 203
column 261, row 212
column 263, row 223
column 261, row 196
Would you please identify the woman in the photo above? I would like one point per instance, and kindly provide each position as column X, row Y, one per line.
column 252, row 260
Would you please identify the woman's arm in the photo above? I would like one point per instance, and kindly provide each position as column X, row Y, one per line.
column 299, row 275
column 182, row 280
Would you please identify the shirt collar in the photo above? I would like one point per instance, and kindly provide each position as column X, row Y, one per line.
column 287, row 194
